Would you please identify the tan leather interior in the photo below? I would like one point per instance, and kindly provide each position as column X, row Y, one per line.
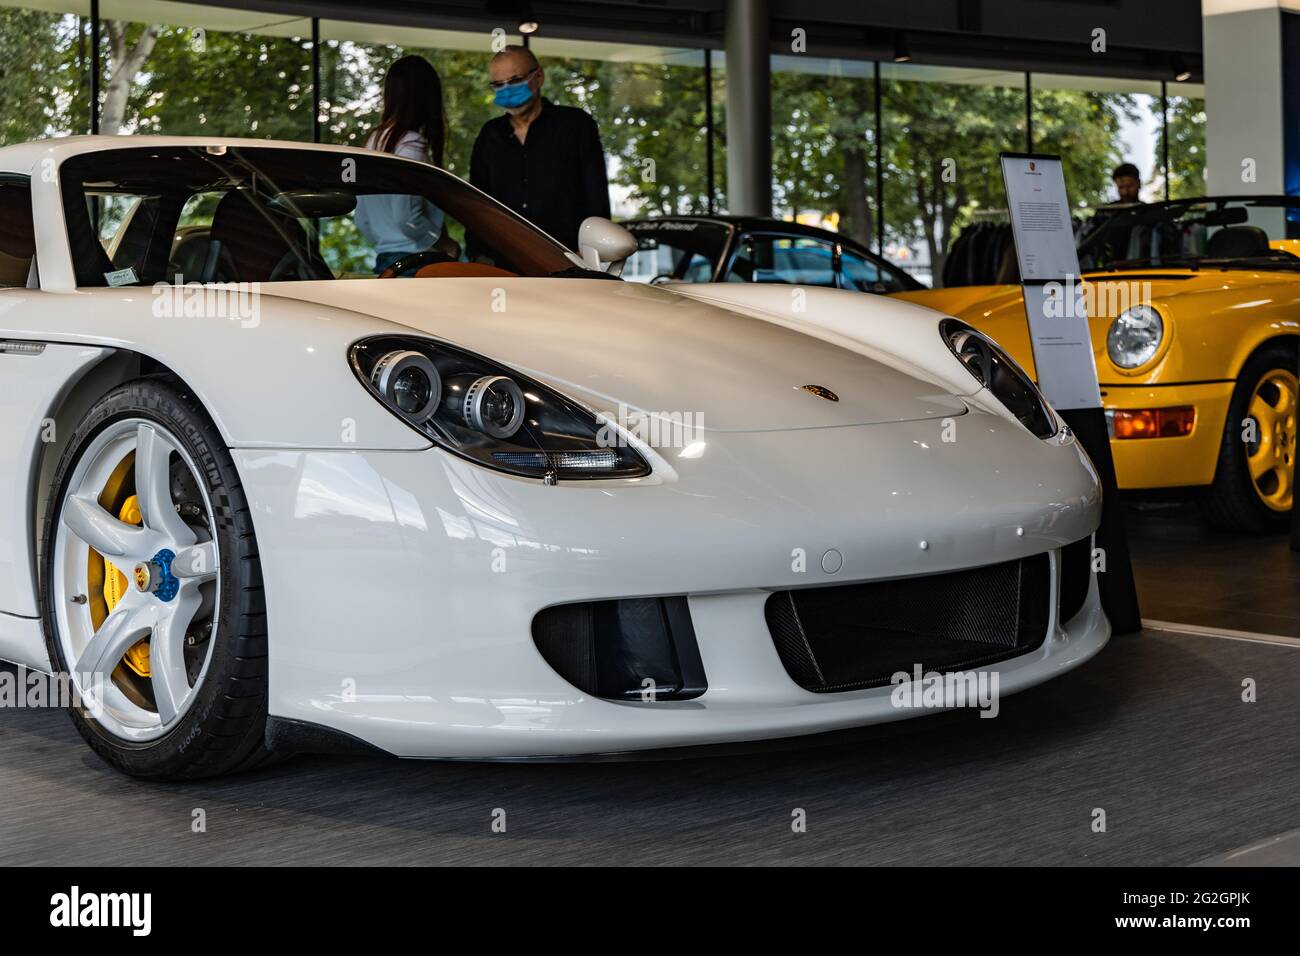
column 456, row 270
column 462, row 270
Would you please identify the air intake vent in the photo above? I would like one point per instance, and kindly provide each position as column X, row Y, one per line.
column 1076, row 575
column 858, row 635
column 610, row 649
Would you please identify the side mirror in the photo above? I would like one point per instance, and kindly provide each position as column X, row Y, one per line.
column 605, row 245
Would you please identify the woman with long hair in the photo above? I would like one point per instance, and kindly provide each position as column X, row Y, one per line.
column 412, row 125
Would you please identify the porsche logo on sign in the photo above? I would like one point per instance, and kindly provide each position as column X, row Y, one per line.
column 821, row 391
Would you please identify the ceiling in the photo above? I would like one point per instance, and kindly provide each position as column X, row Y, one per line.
column 1144, row 39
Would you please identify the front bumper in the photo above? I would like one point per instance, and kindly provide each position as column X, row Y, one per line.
column 401, row 586
column 1170, row 462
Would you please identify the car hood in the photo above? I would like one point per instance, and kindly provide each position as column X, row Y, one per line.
column 608, row 343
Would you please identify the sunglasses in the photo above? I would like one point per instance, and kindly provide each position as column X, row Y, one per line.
column 501, row 84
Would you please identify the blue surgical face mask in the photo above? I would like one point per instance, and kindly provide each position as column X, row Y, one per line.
column 513, row 96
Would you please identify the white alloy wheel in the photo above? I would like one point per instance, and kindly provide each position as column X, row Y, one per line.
column 137, row 647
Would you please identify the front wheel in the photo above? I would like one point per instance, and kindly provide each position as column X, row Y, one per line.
column 152, row 592
column 1254, row 480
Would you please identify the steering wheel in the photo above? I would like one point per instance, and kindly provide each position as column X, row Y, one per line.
column 292, row 265
column 410, row 265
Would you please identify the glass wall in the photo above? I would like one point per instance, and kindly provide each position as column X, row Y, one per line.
column 1186, row 132
column 1095, row 124
column 648, row 103
column 942, row 131
column 183, row 69
column 718, row 141
column 823, row 144
column 45, row 49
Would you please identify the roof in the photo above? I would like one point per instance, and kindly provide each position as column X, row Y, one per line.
column 22, row 158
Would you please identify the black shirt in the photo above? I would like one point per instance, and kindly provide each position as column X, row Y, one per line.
column 555, row 178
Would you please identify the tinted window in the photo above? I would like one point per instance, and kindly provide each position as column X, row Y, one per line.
column 17, row 236
column 864, row 275
column 788, row 259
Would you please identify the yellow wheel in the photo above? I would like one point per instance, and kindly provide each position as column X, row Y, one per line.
column 1254, row 479
column 1270, row 459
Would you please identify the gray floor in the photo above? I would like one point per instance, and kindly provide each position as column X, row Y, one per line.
column 1190, row 574
column 1153, row 731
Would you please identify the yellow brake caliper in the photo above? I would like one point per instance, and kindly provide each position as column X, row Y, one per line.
column 115, row 587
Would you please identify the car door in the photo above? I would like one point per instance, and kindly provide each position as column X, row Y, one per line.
column 33, row 374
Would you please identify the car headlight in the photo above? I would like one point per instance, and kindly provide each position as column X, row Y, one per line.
column 996, row 371
column 1135, row 336
column 489, row 414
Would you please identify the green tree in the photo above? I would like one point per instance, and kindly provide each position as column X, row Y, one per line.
column 823, row 156
column 1084, row 130
column 44, row 74
column 651, row 118
column 940, row 144
column 1186, row 132
column 181, row 81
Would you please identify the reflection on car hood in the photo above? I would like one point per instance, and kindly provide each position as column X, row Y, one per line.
column 608, row 343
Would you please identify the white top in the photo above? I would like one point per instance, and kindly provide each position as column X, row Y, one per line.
column 400, row 223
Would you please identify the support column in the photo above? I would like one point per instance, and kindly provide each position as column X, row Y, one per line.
column 749, row 108
column 1252, row 96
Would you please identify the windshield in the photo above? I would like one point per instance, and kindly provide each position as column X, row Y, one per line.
column 143, row 215
column 1244, row 232
column 679, row 249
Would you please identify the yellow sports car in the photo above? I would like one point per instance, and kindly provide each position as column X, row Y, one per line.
column 1195, row 313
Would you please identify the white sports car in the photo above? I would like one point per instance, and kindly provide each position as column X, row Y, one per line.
column 493, row 503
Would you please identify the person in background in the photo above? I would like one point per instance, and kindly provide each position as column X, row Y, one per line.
column 1108, row 236
column 412, row 126
column 543, row 161
column 1128, row 182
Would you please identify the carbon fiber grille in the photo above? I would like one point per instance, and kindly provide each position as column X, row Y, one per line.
column 857, row 635
column 565, row 637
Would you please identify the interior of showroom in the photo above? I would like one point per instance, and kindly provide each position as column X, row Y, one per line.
column 836, row 144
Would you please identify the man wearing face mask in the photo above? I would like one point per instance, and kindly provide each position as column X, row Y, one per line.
column 543, row 161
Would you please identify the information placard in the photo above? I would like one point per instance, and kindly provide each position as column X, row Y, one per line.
column 1059, row 332
column 1040, row 218
column 1062, row 343
column 1049, row 271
